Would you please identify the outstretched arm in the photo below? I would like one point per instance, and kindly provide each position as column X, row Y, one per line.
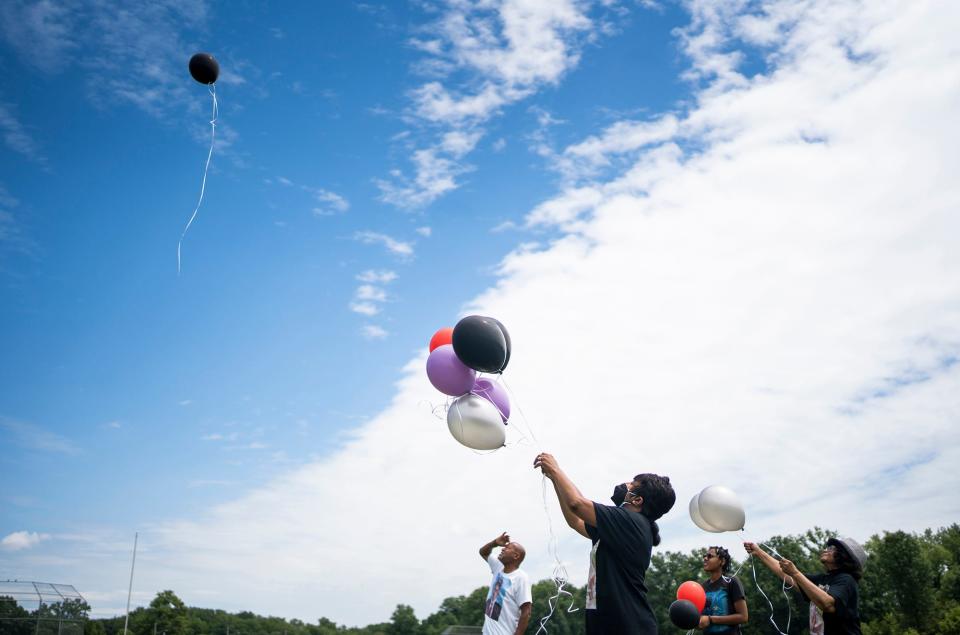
column 500, row 541
column 568, row 494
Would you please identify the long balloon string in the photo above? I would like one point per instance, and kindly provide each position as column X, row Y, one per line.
column 203, row 184
column 559, row 575
column 783, row 588
column 516, row 404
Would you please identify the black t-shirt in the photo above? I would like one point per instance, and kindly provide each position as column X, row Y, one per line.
column 721, row 596
column 626, row 542
column 845, row 620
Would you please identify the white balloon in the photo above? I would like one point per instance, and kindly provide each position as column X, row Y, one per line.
column 697, row 518
column 476, row 423
column 721, row 507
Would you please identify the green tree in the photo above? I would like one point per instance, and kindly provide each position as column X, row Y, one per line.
column 903, row 575
column 563, row 621
column 168, row 613
column 462, row 610
column 403, row 621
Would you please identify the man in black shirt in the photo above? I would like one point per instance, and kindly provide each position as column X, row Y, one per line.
column 623, row 539
column 834, row 596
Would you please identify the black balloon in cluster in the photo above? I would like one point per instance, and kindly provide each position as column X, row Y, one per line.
column 204, row 68
column 482, row 343
column 684, row 614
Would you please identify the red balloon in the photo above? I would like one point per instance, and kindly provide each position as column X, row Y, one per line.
column 441, row 337
column 693, row 592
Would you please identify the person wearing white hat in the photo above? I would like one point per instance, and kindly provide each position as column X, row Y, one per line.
column 834, row 596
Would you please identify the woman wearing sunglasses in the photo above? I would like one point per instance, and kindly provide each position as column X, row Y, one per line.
column 834, row 596
column 726, row 607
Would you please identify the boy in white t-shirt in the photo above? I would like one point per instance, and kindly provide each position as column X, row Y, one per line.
column 510, row 599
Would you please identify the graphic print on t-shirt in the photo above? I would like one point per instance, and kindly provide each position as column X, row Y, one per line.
column 592, row 578
column 498, row 591
column 718, row 603
column 816, row 615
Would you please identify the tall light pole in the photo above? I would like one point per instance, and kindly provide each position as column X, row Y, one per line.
column 126, row 620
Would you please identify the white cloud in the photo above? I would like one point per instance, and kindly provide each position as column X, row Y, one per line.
column 374, row 332
column 778, row 313
column 394, row 246
column 374, row 276
column 39, row 31
column 20, row 540
column 424, row 231
column 16, row 136
column 372, row 293
column 508, row 49
column 365, row 308
column 35, row 437
column 330, row 202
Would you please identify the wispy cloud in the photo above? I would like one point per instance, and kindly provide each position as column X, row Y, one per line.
column 35, row 437
column 506, row 51
column 41, row 32
column 106, row 39
column 369, row 297
column 16, row 137
column 374, row 332
column 330, row 203
column 365, row 308
column 374, row 276
column 399, row 248
column 20, row 540
column 327, row 203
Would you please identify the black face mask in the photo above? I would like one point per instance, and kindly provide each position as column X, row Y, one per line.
column 619, row 494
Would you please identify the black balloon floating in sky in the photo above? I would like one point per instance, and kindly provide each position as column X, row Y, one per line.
column 204, row 68
column 482, row 343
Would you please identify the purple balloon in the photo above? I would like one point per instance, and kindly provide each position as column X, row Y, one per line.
column 495, row 394
column 448, row 374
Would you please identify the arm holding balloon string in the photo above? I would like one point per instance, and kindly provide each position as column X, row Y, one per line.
column 823, row 600
column 572, row 502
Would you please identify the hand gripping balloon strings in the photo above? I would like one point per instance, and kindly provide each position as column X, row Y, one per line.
column 559, row 576
column 203, row 184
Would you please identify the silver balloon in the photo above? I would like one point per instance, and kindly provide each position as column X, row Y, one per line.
column 720, row 507
column 476, row 423
column 697, row 518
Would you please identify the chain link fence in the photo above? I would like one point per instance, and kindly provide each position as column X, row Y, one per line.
column 41, row 608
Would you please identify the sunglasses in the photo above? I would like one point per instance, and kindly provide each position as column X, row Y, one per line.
column 708, row 556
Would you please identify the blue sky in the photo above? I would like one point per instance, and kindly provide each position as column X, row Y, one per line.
column 112, row 351
column 691, row 216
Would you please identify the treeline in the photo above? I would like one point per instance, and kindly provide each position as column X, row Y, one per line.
column 911, row 586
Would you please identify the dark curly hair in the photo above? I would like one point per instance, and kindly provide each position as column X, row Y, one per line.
column 658, row 499
column 724, row 556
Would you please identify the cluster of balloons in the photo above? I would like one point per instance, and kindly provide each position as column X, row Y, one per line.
column 477, row 344
column 685, row 611
column 717, row 509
